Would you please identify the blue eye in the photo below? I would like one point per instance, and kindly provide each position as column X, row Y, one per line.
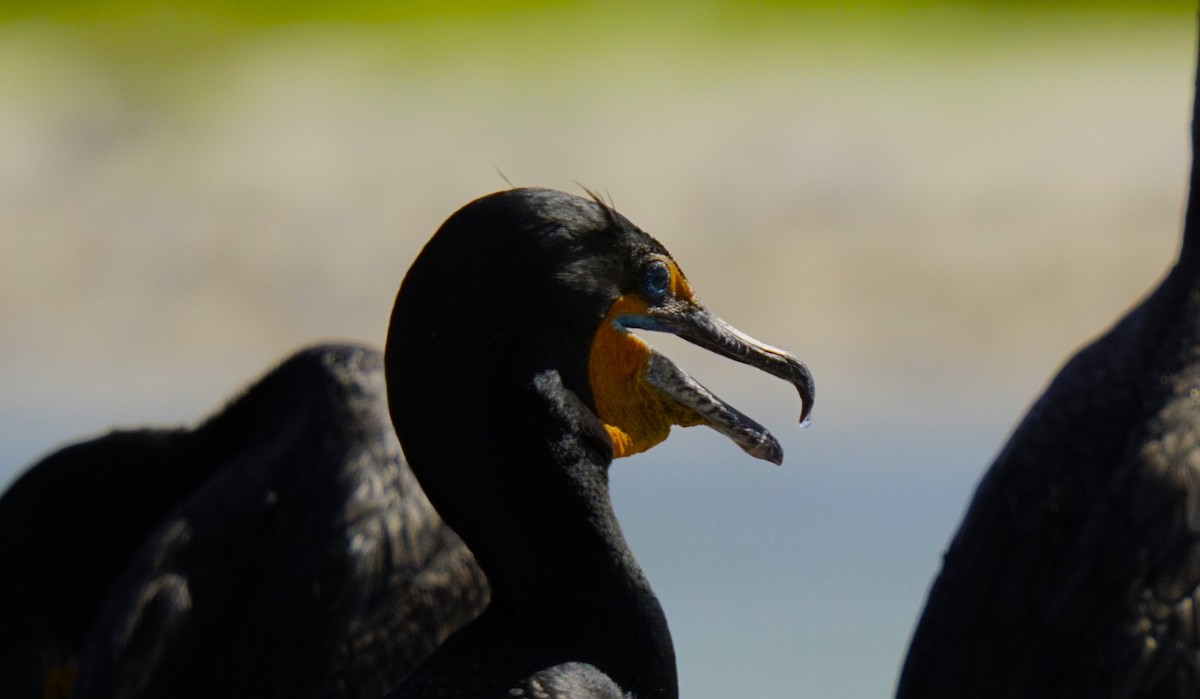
column 656, row 280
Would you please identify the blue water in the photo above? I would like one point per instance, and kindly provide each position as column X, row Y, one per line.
column 803, row 580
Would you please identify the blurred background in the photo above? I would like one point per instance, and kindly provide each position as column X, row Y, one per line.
column 931, row 203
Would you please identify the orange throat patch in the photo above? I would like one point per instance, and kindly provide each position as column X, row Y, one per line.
column 635, row 414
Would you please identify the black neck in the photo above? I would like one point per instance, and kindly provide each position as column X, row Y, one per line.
column 574, row 571
column 540, row 523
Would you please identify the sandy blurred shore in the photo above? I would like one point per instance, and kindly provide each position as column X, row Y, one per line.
column 982, row 205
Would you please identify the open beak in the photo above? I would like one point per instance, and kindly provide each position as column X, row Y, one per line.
column 692, row 322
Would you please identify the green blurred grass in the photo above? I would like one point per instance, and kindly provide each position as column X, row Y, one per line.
column 267, row 13
column 175, row 27
column 151, row 49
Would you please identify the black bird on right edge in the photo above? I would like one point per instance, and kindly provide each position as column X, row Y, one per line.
column 1076, row 570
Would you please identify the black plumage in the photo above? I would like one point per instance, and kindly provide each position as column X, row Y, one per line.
column 281, row 548
column 508, row 339
column 64, row 539
column 1076, row 570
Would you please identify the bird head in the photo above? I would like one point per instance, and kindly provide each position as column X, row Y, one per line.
column 528, row 281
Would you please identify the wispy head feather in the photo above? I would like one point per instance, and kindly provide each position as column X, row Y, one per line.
column 612, row 218
column 505, row 178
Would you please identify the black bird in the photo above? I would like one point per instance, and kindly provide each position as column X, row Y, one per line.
column 513, row 382
column 281, row 548
column 1076, row 570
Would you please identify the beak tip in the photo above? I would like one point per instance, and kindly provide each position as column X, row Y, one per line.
column 807, row 388
column 768, row 449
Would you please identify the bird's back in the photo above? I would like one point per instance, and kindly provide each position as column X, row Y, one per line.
column 305, row 562
column 1075, row 569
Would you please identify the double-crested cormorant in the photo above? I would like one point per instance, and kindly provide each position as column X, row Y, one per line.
column 281, row 548
column 513, row 381
column 1076, row 570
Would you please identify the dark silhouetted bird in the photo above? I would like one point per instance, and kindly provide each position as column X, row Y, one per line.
column 281, row 548
column 1076, row 570
column 513, row 381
